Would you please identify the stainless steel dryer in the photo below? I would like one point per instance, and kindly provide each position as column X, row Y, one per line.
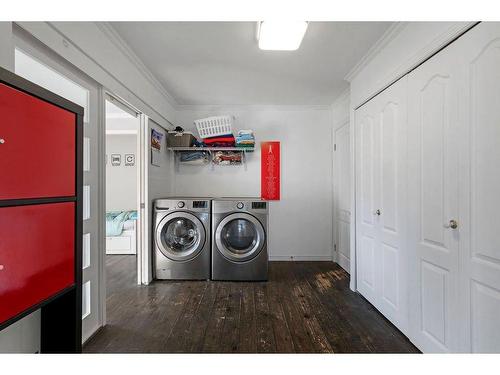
column 182, row 239
column 239, row 239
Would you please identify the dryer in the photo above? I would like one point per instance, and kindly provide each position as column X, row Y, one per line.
column 182, row 239
column 239, row 239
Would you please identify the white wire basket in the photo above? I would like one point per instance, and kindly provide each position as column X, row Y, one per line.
column 214, row 126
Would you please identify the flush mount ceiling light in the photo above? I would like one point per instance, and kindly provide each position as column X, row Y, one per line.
column 280, row 35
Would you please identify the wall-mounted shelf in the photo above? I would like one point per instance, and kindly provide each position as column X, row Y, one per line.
column 211, row 151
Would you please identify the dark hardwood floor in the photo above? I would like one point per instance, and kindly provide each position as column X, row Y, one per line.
column 305, row 307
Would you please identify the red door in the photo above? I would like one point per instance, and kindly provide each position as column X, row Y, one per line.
column 36, row 254
column 37, row 147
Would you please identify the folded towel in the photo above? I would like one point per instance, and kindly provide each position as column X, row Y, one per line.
column 245, row 137
column 245, row 132
column 210, row 141
column 229, row 135
column 245, row 142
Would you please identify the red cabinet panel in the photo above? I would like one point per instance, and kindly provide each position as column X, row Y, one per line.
column 36, row 254
column 37, row 154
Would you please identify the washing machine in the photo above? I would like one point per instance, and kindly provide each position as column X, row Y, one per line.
column 182, row 239
column 239, row 239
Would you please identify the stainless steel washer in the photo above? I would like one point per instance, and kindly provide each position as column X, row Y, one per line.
column 239, row 239
column 182, row 239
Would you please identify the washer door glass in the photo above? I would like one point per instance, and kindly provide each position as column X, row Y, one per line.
column 240, row 237
column 180, row 236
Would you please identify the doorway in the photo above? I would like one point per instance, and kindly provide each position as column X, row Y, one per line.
column 342, row 197
column 122, row 187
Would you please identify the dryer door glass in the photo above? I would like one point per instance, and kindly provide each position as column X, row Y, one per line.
column 240, row 237
column 180, row 236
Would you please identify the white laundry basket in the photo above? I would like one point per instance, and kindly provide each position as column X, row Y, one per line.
column 214, row 126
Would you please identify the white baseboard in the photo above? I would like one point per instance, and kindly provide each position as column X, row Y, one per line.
column 298, row 258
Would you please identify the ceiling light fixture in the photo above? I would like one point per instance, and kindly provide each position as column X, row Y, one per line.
column 281, row 35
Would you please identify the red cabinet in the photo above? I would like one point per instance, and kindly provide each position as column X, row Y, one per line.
column 37, row 256
column 37, row 147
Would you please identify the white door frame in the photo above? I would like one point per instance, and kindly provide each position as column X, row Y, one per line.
column 139, row 156
column 354, row 260
column 143, row 186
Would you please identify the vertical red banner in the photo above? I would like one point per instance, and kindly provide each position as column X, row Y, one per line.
column 270, row 170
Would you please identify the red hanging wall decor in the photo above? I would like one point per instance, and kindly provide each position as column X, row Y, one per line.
column 270, row 170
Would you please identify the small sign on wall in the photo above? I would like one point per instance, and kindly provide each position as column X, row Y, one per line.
column 116, row 160
column 270, row 170
column 129, row 160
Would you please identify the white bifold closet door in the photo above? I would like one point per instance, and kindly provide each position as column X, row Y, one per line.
column 454, row 196
column 479, row 187
column 433, row 127
column 381, row 202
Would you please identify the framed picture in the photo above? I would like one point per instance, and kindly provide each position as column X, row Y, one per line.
column 116, row 160
column 156, row 137
column 130, row 159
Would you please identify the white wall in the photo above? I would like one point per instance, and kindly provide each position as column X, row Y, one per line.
column 301, row 222
column 341, row 109
column 121, row 181
column 160, row 185
column 6, row 50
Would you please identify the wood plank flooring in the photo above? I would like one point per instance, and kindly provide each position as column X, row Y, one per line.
column 305, row 307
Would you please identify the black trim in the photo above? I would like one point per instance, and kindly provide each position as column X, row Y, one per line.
column 33, row 201
column 416, row 66
column 61, row 314
column 33, row 308
column 19, row 83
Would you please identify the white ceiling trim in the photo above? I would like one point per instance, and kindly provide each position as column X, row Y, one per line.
column 118, row 41
column 121, row 132
column 253, row 107
column 389, row 35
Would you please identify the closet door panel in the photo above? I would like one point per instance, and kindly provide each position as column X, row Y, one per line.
column 432, row 199
column 381, row 200
column 480, row 187
column 392, row 257
column 366, row 226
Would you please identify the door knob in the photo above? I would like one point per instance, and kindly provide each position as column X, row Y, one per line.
column 453, row 224
column 2, row 141
column 377, row 212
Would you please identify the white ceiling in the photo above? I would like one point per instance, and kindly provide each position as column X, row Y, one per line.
column 220, row 62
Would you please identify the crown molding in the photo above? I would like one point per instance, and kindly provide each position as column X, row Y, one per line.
column 394, row 30
column 118, row 41
column 254, row 107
